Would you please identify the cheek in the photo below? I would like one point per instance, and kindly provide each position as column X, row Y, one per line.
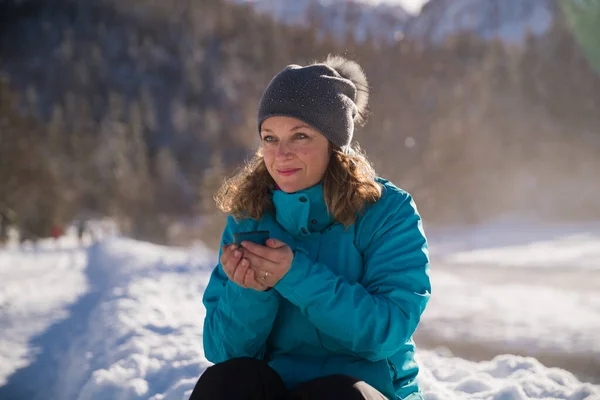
column 316, row 159
column 268, row 156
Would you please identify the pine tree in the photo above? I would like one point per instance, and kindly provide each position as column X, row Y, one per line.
column 583, row 17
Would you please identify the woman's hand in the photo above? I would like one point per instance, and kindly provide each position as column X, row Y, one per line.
column 238, row 269
column 271, row 262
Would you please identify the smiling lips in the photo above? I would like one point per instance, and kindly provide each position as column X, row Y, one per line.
column 288, row 171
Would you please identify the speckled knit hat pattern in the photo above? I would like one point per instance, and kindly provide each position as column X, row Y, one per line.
column 331, row 96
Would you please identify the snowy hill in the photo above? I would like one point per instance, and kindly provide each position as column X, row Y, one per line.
column 509, row 20
column 122, row 319
column 382, row 20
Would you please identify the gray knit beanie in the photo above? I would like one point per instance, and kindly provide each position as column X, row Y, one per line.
column 331, row 97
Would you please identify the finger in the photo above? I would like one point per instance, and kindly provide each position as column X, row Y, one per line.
column 259, row 276
column 248, row 280
column 240, row 272
column 275, row 243
column 229, row 261
column 258, row 262
column 226, row 247
column 259, row 250
column 227, row 253
column 251, row 281
column 224, row 255
column 229, row 268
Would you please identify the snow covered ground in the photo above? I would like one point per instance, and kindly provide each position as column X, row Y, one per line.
column 523, row 289
column 36, row 287
column 122, row 319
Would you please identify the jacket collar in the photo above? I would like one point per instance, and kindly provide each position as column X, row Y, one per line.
column 302, row 213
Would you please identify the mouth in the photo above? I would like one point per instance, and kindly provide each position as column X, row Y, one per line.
column 288, row 171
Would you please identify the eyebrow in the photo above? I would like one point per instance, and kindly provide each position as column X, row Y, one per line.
column 293, row 129
column 300, row 126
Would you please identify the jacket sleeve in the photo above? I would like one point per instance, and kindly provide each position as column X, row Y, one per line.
column 374, row 318
column 238, row 320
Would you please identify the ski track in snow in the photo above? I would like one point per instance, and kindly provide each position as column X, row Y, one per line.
column 32, row 297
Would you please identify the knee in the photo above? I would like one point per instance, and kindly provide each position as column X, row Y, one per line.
column 236, row 366
column 238, row 378
column 340, row 380
column 337, row 386
column 326, row 384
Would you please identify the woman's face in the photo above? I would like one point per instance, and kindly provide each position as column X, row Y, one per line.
column 296, row 154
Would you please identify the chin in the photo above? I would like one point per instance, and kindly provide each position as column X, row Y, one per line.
column 290, row 186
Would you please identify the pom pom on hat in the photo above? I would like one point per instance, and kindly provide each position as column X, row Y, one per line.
column 352, row 71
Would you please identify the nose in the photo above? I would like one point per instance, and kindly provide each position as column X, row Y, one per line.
column 284, row 150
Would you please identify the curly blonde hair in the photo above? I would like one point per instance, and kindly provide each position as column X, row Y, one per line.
column 348, row 185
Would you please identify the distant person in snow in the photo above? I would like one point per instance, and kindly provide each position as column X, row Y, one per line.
column 326, row 307
column 7, row 218
column 56, row 232
column 3, row 228
column 81, row 229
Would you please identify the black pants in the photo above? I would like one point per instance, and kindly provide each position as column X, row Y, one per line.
column 251, row 379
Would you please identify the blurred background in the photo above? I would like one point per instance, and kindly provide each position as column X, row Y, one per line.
column 137, row 110
column 122, row 118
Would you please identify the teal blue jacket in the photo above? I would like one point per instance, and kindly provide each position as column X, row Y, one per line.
column 349, row 304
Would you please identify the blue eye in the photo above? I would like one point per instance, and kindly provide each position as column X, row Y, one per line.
column 268, row 138
column 301, row 136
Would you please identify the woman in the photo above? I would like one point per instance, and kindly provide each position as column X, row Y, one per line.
column 326, row 309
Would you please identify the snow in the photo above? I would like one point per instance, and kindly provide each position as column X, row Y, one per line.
column 515, row 317
column 505, row 377
column 517, row 239
column 577, row 251
column 428, row 22
column 381, row 19
column 509, row 20
column 36, row 286
column 122, row 319
column 412, row 6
